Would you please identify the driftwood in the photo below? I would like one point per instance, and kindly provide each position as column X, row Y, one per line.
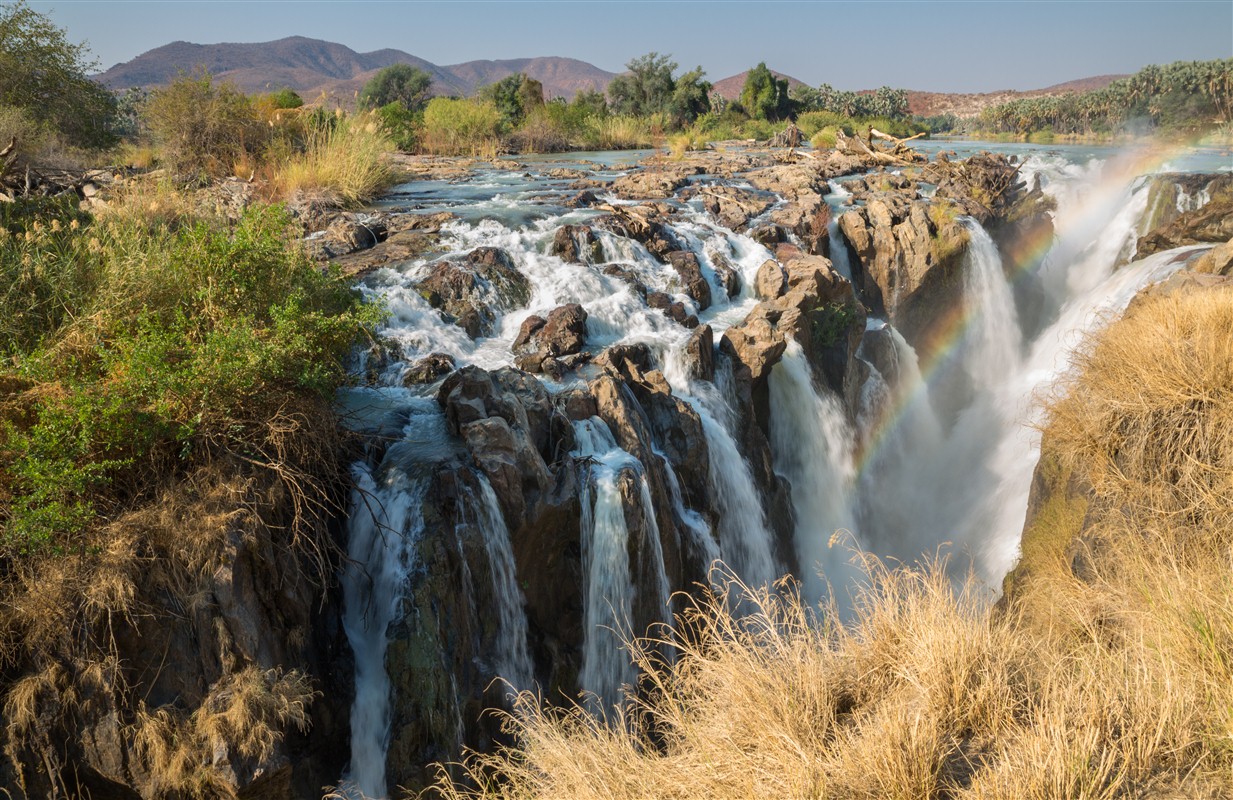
column 790, row 136
column 44, row 181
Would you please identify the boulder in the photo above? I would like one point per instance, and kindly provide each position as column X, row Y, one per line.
column 690, row 272
column 732, row 206
column 653, row 182
column 700, row 353
column 399, row 248
column 771, row 281
column 674, row 309
column 577, row 244
column 1217, row 261
column 348, row 233
column 643, row 223
column 807, row 216
column 472, row 290
column 728, row 275
column 428, row 369
column 789, row 180
column 562, row 333
column 627, row 274
column 768, row 235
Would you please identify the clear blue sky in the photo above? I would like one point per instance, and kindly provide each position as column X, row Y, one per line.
column 979, row 45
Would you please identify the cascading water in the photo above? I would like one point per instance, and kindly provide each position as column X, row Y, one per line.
column 812, row 443
column 385, row 520
column 511, row 658
column 922, row 464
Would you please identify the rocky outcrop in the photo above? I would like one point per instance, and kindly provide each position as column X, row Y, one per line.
column 732, row 206
column 654, row 182
column 727, row 274
column 673, row 309
column 807, row 217
column 1172, row 194
column 471, row 291
column 562, row 333
column 907, row 260
column 1217, row 261
column 1211, row 223
column 429, row 369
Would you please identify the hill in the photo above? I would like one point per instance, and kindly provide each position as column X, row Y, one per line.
column 730, row 88
column 312, row 66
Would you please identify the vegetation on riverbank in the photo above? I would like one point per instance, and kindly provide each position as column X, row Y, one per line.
column 1105, row 672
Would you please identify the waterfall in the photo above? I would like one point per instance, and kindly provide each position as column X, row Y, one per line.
column 992, row 341
column 511, row 659
column 384, row 523
column 812, row 444
column 607, row 582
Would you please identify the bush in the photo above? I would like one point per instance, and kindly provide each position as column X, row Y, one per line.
column 461, row 127
column 825, row 138
column 202, row 129
column 813, row 121
column 619, row 133
column 401, row 125
column 143, row 350
column 397, row 83
column 286, row 98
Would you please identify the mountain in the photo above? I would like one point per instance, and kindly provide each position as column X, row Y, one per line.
column 312, row 66
column 928, row 104
column 730, row 88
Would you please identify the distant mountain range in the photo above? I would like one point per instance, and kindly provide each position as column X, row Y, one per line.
column 313, row 67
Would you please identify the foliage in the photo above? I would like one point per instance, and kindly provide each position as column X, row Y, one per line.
column 589, row 103
column 401, row 83
column 401, row 125
column 286, row 98
column 133, row 350
column 882, row 102
column 1184, row 95
column 515, row 96
column 764, row 96
column 461, row 127
column 691, row 98
column 646, row 88
column 203, row 129
column 45, row 74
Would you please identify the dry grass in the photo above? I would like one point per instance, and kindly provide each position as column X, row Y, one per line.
column 1119, row 683
column 349, row 158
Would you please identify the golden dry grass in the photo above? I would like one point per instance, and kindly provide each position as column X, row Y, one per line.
column 1118, row 683
column 348, row 158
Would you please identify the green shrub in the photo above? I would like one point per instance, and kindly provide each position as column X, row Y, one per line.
column 813, row 121
column 461, row 127
column 156, row 350
column 825, row 138
column 203, row 129
column 401, row 125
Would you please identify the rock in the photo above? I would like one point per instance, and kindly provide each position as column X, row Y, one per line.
column 728, row 275
column 1211, row 223
column 700, row 353
column 643, row 223
column 807, row 217
column 399, row 248
column 470, row 291
column 732, row 206
column 771, row 281
column 577, row 244
column 583, row 199
column 429, row 369
column 789, row 180
column 1217, row 261
column 562, row 333
column 346, row 234
column 690, row 271
column 1172, row 194
column 566, row 174
column 674, row 309
column 627, row 275
column 380, row 355
column 768, row 235
column 907, row 260
column 653, row 182
column 426, row 223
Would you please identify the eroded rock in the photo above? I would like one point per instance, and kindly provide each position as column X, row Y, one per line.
column 471, row 291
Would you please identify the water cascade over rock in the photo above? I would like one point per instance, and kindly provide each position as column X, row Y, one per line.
column 584, row 406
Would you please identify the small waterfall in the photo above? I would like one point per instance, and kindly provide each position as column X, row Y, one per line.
column 992, row 342
column 701, row 542
column 812, row 446
column 384, row 523
column 512, row 660
column 608, row 584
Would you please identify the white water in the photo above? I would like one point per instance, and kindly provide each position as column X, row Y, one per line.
column 511, row 658
column 384, row 522
column 812, row 445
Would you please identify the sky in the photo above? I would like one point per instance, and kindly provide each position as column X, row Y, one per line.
column 954, row 46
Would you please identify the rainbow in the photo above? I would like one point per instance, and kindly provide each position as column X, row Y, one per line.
column 951, row 331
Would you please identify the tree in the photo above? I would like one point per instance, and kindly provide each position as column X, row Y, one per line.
column 203, row 129
column 590, row 103
column 764, row 95
column 397, row 83
column 45, row 74
column 515, row 96
column 690, row 98
column 646, row 89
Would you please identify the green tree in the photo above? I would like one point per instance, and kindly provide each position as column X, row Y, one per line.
column 765, row 96
column 515, row 96
column 44, row 73
column 589, row 103
column 401, row 83
column 646, row 89
column 691, row 98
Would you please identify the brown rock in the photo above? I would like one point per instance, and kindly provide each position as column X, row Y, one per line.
column 470, row 291
column 771, row 281
column 577, row 244
column 428, row 369
column 690, row 271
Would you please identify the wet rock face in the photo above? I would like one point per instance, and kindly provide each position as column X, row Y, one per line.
column 807, row 216
column 1174, row 193
column 907, row 261
column 562, row 333
column 428, row 369
column 732, row 206
column 673, row 309
column 577, row 244
column 471, row 291
column 690, row 272
column 644, row 224
column 1211, row 223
